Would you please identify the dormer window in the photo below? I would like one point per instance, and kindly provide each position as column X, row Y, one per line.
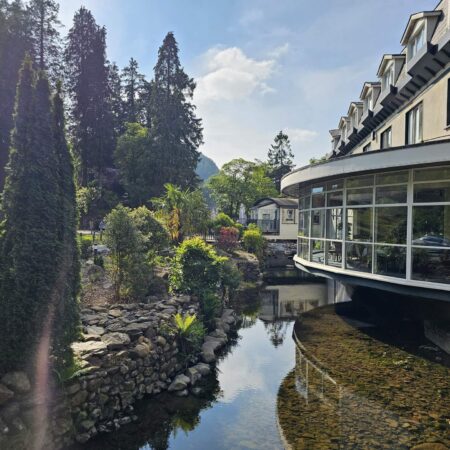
column 388, row 77
column 417, row 42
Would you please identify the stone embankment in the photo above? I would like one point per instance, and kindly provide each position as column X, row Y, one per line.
column 125, row 355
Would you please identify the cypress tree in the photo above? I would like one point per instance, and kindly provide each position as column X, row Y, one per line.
column 117, row 103
column 67, row 285
column 29, row 245
column 15, row 42
column 176, row 131
column 280, row 158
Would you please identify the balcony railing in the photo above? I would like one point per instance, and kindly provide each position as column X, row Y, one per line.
column 267, row 226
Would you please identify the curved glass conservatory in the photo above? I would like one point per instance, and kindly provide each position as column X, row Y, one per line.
column 390, row 226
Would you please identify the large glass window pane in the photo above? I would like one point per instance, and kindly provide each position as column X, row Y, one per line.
column 365, row 180
column 334, row 223
column 303, row 248
column 335, row 184
column 439, row 173
column 318, row 251
column 391, row 178
column 304, row 202
column 359, row 257
column 432, row 192
column 334, row 253
column 391, row 194
column 318, row 200
column 303, row 223
column 359, row 196
column 431, row 265
column 318, row 223
column 391, row 224
column 431, row 225
column 334, row 198
column 390, row 261
column 359, row 224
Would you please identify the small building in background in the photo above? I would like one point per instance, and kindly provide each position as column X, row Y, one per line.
column 276, row 217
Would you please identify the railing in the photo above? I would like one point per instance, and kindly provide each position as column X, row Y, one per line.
column 267, row 226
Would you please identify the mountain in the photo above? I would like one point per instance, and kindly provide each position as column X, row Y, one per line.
column 206, row 167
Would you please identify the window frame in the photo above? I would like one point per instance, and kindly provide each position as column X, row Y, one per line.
column 386, row 132
column 413, row 113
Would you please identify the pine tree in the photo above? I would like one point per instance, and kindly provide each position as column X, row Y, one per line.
column 66, row 313
column 15, row 42
column 176, row 131
column 87, row 75
column 45, row 35
column 133, row 85
column 29, row 230
column 280, row 158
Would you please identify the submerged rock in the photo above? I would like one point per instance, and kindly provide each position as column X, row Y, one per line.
column 5, row 394
column 179, row 383
column 18, row 382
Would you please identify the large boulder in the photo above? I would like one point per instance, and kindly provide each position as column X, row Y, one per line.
column 116, row 341
column 18, row 382
column 179, row 383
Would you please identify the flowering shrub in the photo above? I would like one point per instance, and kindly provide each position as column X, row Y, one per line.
column 228, row 239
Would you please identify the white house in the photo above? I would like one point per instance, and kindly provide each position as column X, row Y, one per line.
column 276, row 217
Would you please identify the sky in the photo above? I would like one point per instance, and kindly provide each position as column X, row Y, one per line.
column 261, row 66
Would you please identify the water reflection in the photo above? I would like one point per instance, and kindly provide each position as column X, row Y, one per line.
column 355, row 386
column 237, row 408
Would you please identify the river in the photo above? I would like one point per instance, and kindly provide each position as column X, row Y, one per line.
column 347, row 381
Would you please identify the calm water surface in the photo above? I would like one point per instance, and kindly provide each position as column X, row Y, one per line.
column 262, row 395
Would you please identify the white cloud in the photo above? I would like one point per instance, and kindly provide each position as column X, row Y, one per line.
column 297, row 135
column 277, row 52
column 232, row 75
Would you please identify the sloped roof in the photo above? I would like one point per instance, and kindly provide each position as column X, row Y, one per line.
column 281, row 202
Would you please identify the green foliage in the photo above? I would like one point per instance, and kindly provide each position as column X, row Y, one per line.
column 222, row 220
column 320, row 160
column 189, row 333
column 230, row 279
column 129, row 269
column 253, row 241
column 210, row 305
column 240, row 182
column 184, row 213
column 156, row 237
column 280, row 158
column 136, row 163
column 196, row 267
column 39, row 259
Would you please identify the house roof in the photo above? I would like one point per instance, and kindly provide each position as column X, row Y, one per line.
column 281, row 202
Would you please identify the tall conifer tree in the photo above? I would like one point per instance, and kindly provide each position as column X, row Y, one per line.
column 280, row 158
column 176, row 131
column 15, row 41
column 133, row 86
column 87, row 77
column 29, row 244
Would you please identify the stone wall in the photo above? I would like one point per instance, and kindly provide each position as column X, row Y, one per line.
column 125, row 355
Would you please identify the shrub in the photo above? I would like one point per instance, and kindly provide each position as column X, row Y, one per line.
column 222, row 220
column 210, row 306
column 196, row 267
column 228, row 239
column 156, row 237
column 253, row 241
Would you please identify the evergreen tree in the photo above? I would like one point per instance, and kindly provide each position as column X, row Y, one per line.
column 87, row 76
column 45, row 35
column 66, row 314
column 280, row 158
column 133, row 85
column 15, row 42
column 116, row 100
column 176, row 131
column 29, row 230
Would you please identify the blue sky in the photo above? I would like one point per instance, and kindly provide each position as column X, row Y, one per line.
column 261, row 65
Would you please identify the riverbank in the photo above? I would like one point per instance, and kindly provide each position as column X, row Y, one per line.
column 124, row 356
